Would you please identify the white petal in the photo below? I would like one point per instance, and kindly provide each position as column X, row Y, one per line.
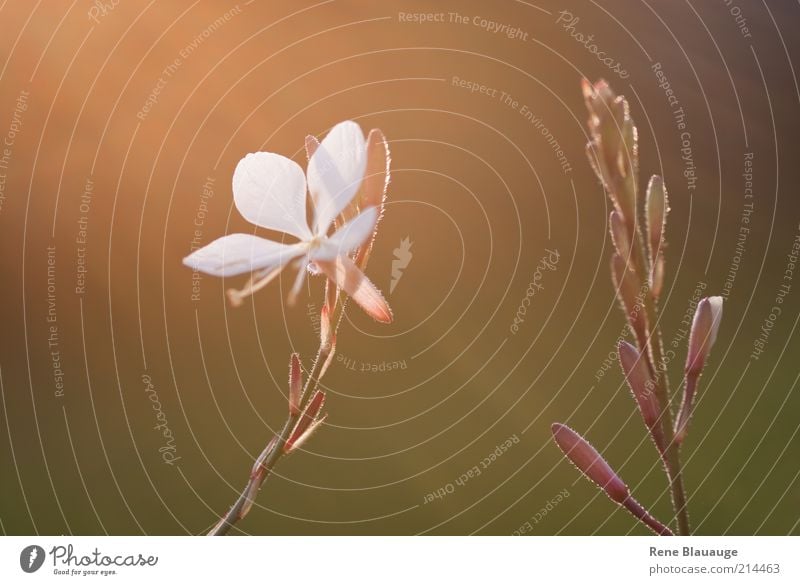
column 335, row 172
column 240, row 253
column 348, row 237
column 270, row 191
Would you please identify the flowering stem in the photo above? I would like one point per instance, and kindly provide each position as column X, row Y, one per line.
column 275, row 448
column 654, row 352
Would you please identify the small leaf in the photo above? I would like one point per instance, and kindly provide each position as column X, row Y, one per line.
column 306, row 419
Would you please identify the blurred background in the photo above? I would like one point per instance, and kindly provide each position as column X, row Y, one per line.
column 134, row 399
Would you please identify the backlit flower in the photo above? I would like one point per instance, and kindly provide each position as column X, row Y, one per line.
column 269, row 190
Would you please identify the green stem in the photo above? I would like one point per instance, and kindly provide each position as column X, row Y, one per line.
column 655, row 355
column 235, row 514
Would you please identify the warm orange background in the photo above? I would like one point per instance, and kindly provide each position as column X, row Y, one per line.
column 481, row 194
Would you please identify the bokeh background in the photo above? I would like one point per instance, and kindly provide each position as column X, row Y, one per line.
column 93, row 179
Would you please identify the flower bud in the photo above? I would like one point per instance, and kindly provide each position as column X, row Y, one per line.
column 589, row 462
column 656, row 207
column 705, row 325
column 702, row 337
column 640, row 382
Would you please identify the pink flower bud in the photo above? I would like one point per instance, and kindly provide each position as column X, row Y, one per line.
column 657, row 207
column 640, row 381
column 643, row 388
column 706, row 322
column 705, row 325
column 589, row 462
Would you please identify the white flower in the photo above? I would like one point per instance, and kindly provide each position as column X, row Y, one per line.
column 269, row 190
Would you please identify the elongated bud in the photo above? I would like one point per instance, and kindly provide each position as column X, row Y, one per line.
column 705, row 325
column 643, row 388
column 628, row 167
column 656, row 207
column 627, row 287
column 629, row 159
column 593, row 466
column 306, row 420
column 295, row 384
column 613, row 147
column 640, row 382
column 589, row 462
column 619, row 234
